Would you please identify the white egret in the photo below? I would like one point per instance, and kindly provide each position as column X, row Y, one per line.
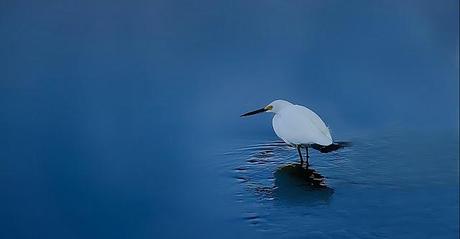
column 297, row 126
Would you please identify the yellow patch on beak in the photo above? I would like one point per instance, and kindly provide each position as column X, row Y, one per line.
column 269, row 107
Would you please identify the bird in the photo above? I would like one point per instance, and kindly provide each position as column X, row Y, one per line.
column 298, row 126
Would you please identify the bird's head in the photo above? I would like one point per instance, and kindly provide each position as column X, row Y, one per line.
column 274, row 107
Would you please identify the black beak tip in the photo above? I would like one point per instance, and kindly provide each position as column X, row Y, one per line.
column 254, row 112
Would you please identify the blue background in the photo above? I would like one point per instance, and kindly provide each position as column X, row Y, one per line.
column 112, row 113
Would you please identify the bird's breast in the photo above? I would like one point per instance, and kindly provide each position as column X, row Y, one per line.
column 276, row 123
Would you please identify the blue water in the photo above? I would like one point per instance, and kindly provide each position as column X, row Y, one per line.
column 385, row 186
column 120, row 119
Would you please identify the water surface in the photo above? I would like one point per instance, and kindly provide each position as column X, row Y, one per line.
column 392, row 185
column 119, row 119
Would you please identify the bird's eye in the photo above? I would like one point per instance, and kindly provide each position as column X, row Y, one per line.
column 269, row 107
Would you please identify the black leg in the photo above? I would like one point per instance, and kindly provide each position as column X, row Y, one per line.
column 306, row 149
column 300, row 154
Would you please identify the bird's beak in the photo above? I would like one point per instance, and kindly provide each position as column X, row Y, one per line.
column 256, row 111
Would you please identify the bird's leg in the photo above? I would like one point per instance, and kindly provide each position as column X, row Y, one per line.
column 306, row 149
column 300, row 155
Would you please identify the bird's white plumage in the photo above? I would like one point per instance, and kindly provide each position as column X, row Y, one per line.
column 298, row 125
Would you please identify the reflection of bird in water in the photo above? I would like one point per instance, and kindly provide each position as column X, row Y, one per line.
column 298, row 184
column 300, row 176
column 289, row 183
column 299, row 126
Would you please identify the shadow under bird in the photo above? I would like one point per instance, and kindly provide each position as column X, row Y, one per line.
column 300, row 127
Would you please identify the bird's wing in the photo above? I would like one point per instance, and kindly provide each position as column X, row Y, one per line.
column 298, row 125
column 315, row 120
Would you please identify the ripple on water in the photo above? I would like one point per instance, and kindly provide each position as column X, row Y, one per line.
column 364, row 191
column 269, row 177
